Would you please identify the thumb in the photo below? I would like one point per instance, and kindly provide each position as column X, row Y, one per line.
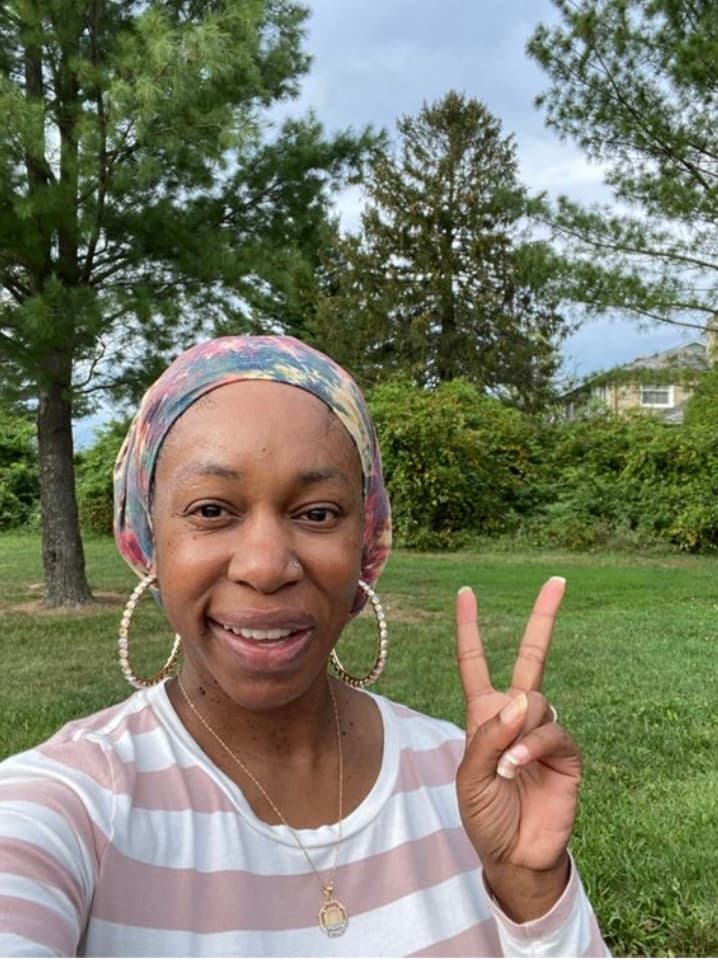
column 490, row 741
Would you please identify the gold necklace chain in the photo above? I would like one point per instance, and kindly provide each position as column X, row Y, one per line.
column 333, row 916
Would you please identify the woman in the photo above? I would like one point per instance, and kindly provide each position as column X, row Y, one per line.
column 251, row 805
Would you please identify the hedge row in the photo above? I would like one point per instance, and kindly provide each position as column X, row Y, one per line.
column 460, row 465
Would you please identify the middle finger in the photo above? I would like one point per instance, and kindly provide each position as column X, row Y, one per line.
column 533, row 651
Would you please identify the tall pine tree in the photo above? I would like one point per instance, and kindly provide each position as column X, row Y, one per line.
column 447, row 276
column 634, row 83
column 143, row 199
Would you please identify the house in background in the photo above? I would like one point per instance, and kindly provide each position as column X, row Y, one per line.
column 661, row 383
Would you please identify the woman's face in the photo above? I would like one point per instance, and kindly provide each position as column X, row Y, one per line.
column 257, row 515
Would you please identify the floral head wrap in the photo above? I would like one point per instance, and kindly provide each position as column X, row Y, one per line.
column 218, row 362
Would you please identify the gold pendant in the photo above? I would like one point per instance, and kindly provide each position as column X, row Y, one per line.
column 333, row 917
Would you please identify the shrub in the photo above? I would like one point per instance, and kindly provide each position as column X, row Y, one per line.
column 19, row 480
column 93, row 471
column 457, row 463
column 702, row 409
column 630, row 478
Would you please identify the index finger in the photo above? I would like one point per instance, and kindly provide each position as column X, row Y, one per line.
column 473, row 668
column 533, row 651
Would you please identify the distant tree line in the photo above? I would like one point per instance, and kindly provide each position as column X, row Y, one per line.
column 450, row 274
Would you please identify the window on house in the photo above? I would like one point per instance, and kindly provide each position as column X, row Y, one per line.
column 657, row 396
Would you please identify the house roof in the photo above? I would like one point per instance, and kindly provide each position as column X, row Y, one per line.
column 690, row 358
column 685, row 355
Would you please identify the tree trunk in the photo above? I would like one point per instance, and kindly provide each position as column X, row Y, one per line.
column 62, row 553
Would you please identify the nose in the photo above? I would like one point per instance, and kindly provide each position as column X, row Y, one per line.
column 263, row 554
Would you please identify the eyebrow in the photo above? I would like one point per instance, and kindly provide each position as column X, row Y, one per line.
column 329, row 474
column 209, row 469
column 306, row 478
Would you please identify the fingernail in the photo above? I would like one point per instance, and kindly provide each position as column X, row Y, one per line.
column 511, row 760
column 558, row 578
column 465, row 588
column 514, row 709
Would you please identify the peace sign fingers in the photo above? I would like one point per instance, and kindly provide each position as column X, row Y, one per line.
column 533, row 651
column 482, row 699
column 517, row 783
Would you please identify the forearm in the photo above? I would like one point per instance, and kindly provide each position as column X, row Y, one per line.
column 567, row 928
column 523, row 894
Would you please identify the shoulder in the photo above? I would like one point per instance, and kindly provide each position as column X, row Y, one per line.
column 416, row 724
column 89, row 750
column 421, row 739
column 133, row 715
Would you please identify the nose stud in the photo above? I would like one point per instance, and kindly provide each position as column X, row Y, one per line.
column 295, row 563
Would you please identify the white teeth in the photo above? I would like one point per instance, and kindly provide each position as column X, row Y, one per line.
column 258, row 634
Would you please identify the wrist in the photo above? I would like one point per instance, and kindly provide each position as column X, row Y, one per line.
column 525, row 894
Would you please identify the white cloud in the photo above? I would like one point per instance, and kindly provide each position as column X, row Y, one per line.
column 559, row 169
column 350, row 204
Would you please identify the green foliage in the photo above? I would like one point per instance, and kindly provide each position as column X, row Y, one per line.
column 630, row 479
column 446, row 277
column 586, row 504
column 142, row 182
column 19, row 484
column 703, row 406
column 633, row 83
column 460, row 465
column 94, row 468
column 457, row 462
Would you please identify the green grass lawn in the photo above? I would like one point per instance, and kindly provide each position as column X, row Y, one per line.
column 632, row 672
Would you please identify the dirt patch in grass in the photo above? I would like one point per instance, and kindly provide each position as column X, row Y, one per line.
column 102, row 601
column 398, row 609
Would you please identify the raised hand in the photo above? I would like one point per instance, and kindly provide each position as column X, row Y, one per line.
column 518, row 782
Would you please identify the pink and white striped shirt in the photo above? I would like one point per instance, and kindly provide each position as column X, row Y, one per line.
column 119, row 837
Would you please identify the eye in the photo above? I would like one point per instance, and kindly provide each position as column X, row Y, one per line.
column 209, row 512
column 319, row 515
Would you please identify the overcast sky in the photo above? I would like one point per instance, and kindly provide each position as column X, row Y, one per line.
column 376, row 60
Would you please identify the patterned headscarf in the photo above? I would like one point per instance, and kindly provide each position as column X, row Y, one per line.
column 218, row 362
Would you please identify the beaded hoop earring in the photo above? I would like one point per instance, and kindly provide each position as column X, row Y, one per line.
column 124, row 643
column 380, row 661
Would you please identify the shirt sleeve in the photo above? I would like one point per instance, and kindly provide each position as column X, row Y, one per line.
column 568, row 929
column 50, row 845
